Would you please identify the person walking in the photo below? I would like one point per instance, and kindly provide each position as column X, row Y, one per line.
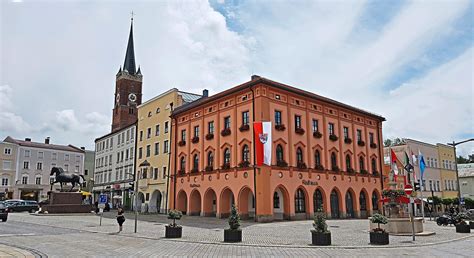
column 120, row 218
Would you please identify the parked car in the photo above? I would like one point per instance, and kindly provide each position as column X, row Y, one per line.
column 30, row 206
column 3, row 212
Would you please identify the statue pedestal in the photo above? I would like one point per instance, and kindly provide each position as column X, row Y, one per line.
column 66, row 202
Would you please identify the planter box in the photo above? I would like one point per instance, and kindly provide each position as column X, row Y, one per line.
column 232, row 236
column 379, row 238
column 320, row 238
column 460, row 228
column 173, row 232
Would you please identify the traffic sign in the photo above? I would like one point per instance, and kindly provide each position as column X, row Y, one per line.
column 103, row 198
column 101, row 206
column 461, row 201
column 408, row 189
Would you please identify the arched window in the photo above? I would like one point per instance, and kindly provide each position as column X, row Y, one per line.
column 317, row 158
column 361, row 163
column 375, row 201
column 348, row 162
column 374, row 165
column 318, row 201
column 299, row 155
column 245, row 153
column 196, row 162
column 182, row 164
column 279, row 152
column 299, row 201
column 276, row 201
column 210, row 159
column 226, row 156
column 362, row 201
column 333, row 161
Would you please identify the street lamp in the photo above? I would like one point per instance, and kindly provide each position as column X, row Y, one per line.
column 454, row 144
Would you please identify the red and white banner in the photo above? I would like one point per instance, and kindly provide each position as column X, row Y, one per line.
column 263, row 142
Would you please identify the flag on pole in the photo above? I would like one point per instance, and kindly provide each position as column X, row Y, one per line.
column 422, row 164
column 413, row 160
column 394, row 164
column 263, row 142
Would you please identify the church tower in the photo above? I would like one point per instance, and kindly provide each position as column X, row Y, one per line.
column 128, row 89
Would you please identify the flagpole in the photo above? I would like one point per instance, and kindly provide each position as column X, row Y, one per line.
column 422, row 175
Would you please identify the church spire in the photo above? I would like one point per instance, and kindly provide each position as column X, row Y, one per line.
column 129, row 64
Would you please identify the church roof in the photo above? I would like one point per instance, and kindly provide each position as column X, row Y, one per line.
column 129, row 63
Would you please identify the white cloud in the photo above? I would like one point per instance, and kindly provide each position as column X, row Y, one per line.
column 9, row 121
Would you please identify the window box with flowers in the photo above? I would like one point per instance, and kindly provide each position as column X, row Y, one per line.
column 244, row 164
column 299, row 131
column 181, row 172
column 373, row 145
column 226, row 166
column 364, row 172
column 225, row 132
column 333, row 137
column 335, row 169
column 375, row 173
column 209, row 136
column 282, row 163
column 209, row 168
column 393, row 195
column 361, row 143
column 194, row 170
column 348, row 140
column 280, row 127
column 181, row 143
column 301, row 165
column 350, row 171
column 195, row 139
column 317, row 134
column 244, row 128
column 319, row 167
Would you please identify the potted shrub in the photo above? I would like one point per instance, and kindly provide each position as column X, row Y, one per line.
column 234, row 233
column 333, row 137
column 225, row 166
column 282, row 163
column 209, row 136
column 378, row 236
column 299, row 130
column 244, row 164
column 462, row 226
column 195, row 139
column 225, row 132
column 364, row 172
column 301, row 165
column 320, row 235
column 361, row 143
column 173, row 230
column 335, row 168
column 373, row 145
column 209, row 168
column 182, row 143
column 319, row 167
column 317, row 134
column 348, row 140
column 280, row 127
column 350, row 171
column 243, row 128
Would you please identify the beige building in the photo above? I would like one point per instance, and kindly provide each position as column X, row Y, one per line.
column 153, row 145
column 8, row 154
column 448, row 170
column 466, row 180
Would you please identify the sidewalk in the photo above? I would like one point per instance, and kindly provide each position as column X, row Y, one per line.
column 8, row 251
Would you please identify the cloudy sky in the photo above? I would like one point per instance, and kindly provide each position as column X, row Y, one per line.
column 410, row 61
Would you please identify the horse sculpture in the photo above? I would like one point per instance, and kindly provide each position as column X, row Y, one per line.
column 62, row 177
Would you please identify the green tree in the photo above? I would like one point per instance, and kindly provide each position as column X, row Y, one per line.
column 469, row 203
column 234, row 219
column 462, row 160
column 447, row 201
column 387, row 143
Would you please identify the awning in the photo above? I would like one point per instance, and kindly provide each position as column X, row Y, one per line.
column 85, row 193
column 117, row 197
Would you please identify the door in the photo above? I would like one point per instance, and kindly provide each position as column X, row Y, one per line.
column 349, row 205
column 334, row 205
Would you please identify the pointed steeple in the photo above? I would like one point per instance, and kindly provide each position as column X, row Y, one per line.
column 129, row 64
column 139, row 72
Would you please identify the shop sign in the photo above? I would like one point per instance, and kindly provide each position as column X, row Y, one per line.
column 309, row 182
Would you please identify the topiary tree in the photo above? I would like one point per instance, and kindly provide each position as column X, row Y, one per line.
column 379, row 219
column 461, row 218
column 319, row 223
column 174, row 215
column 234, row 219
column 447, row 201
column 469, row 203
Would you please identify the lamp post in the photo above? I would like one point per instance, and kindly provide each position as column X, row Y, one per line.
column 454, row 144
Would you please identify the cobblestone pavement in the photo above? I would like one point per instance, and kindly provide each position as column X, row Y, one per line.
column 82, row 236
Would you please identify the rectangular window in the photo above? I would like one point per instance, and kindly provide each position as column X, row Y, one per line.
column 118, row 139
column 331, row 128
column 157, row 130
column 118, row 157
column 27, row 153
column 7, row 151
column 437, row 186
column 166, row 127
column 346, row 132
column 141, row 135
column 245, row 118
column 123, row 137
column 66, row 157
column 106, row 143
column 7, row 165
column 277, row 117
column 112, row 142
column 4, row 181
column 39, row 166
column 76, row 169
column 26, row 165
column 155, row 173
column 164, row 172
column 55, row 155
column 157, row 148
column 140, row 153
column 371, row 138
column 127, row 151
column 128, row 135
column 121, row 156
column 196, row 131
column 148, row 133
column 24, row 180
column 165, row 147
column 38, row 180
column 210, row 127
column 131, row 153
column 315, row 125
column 148, row 150
column 227, row 122
column 183, row 135
column 110, row 159
column 132, row 134
column 431, row 185
column 66, row 167
column 297, row 121
column 40, row 154
column 359, row 135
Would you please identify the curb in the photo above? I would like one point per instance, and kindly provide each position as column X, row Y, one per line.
column 34, row 252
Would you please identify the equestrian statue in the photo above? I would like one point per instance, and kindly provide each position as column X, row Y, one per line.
column 61, row 177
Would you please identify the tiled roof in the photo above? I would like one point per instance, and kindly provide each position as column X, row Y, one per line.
column 69, row 147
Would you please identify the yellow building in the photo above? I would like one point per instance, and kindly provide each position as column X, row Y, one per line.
column 153, row 145
column 448, row 171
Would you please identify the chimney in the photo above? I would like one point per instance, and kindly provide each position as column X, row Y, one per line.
column 205, row 93
column 83, row 148
column 255, row 77
column 27, row 139
column 46, row 141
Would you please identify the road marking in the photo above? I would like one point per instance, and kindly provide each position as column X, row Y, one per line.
column 9, row 235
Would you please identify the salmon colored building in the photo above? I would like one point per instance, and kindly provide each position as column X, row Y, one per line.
column 326, row 155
